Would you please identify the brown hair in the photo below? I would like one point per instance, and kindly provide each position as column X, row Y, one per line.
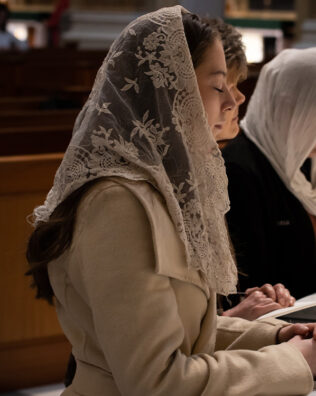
column 233, row 46
column 4, row 10
column 51, row 239
column 199, row 34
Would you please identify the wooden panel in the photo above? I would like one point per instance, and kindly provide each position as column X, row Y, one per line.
column 22, row 103
column 32, row 345
column 32, row 363
column 22, row 118
column 32, row 174
column 34, row 139
column 47, row 71
column 25, row 183
column 25, row 318
column 71, row 97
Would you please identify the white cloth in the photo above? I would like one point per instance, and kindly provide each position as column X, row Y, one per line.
column 144, row 120
column 281, row 119
column 9, row 41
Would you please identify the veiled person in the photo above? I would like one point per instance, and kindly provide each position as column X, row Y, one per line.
column 271, row 173
column 131, row 242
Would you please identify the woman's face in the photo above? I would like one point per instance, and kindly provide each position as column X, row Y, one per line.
column 217, row 99
column 231, row 126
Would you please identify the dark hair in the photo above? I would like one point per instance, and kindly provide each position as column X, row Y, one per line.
column 199, row 35
column 233, row 46
column 52, row 238
column 4, row 10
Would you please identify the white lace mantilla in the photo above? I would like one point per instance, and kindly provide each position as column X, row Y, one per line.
column 144, row 120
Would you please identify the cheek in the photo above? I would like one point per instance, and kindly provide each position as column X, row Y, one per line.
column 230, row 129
column 234, row 125
column 211, row 105
column 229, row 117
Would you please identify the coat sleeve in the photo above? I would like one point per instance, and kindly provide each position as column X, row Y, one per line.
column 237, row 333
column 135, row 316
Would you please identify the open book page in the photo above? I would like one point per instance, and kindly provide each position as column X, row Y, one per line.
column 309, row 298
column 305, row 302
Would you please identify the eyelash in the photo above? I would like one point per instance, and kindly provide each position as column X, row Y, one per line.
column 219, row 90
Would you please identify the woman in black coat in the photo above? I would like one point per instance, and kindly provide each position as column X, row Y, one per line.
column 270, row 171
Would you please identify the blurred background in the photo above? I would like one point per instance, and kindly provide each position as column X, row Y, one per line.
column 50, row 51
column 267, row 25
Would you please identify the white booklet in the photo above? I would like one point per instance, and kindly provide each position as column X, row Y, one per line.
column 299, row 305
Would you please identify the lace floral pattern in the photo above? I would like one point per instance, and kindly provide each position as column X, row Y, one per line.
column 144, row 120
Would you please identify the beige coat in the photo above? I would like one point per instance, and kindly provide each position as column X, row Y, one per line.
column 142, row 324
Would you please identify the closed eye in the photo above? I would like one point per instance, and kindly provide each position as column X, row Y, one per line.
column 218, row 90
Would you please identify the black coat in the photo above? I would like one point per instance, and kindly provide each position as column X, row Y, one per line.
column 271, row 232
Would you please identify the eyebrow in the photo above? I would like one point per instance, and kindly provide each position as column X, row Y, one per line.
column 218, row 72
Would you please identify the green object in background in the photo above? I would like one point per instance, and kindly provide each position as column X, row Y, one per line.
column 34, row 16
column 254, row 23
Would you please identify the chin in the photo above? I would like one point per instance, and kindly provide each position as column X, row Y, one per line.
column 226, row 135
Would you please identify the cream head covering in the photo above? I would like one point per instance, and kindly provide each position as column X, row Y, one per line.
column 144, row 120
column 281, row 119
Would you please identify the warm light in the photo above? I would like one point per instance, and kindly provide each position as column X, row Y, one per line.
column 254, row 46
column 19, row 30
column 253, row 39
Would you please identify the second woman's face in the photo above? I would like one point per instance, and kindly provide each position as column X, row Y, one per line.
column 217, row 99
column 231, row 127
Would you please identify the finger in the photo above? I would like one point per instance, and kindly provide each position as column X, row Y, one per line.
column 268, row 290
column 287, row 297
column 300, row 329
column 251, row 290
column 256, row 296
column 311, row 329
column 257, row 293
column 292, row 301
column 292, row 331
column 264, row 300
column 283, row 295
column 265, row 308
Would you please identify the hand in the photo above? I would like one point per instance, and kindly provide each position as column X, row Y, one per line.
column 308, row 349
column 278, row 293
column 305, row 330
column 253, row 306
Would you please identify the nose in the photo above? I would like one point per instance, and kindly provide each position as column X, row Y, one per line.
column 239, row 97
column 229, row 102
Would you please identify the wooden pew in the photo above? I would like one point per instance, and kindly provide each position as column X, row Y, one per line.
column 34, row 140
column 9, row 103
column 33, row 349
column 35, row 118
column 35, row 131
column 47, row 71
column 70, row 97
